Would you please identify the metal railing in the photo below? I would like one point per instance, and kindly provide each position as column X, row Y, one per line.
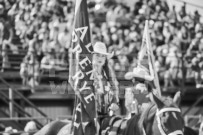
column 193, row 105
column 197, row 118
column 15, row 106
column 24, row 119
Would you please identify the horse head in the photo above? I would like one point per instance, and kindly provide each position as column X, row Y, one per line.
column 168, row 115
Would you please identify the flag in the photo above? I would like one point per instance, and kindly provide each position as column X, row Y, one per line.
column 80, row 72
column 146, row 59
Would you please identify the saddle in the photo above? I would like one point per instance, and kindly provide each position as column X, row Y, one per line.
column 108, row 124
column 115, row 125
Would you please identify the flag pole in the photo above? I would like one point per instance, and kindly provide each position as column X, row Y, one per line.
column 74, row 110
column 156, row 79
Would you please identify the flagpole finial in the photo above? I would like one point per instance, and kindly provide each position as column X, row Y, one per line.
column 146, row 25
column 146, row 22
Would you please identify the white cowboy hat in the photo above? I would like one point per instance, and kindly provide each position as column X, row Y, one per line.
column 100, row 48
column 139, row 72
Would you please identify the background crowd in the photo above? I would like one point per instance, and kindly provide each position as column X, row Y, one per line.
column 42, row 29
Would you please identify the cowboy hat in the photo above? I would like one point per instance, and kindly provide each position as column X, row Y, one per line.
column 140, row 73
column 100, row 48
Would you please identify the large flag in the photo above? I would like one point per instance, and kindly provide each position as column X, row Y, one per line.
column 146, row 59
column 80, row 72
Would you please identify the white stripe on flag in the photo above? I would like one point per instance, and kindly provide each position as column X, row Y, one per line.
column 78, row 2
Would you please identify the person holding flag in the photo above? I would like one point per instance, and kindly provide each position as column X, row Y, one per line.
column 142, row 83
column 105, row 83
column 90, row 76
column 80, row 73
column 144, row 76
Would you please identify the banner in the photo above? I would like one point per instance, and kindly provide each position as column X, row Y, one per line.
column 146, row 59
column 80, row 72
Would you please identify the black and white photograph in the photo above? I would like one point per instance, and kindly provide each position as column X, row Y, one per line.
column 101, row 67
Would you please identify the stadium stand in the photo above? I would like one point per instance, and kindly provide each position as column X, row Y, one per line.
column 35, row 41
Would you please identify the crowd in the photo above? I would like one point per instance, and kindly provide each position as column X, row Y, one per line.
column 176, row 38
column 43, row 28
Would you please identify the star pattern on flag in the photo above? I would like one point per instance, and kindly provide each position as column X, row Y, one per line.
column 77, row 125
column 84, row 124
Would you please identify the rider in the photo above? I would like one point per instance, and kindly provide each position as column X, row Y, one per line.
column 142, row 85
column 105, row 83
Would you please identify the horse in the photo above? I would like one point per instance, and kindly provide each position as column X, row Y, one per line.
column 163, row 117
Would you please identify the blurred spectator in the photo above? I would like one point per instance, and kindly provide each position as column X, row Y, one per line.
column 197, row 66
column 9, row 130
column 182, row 12
column 33, row 69
column 160, row 68
column 30, row 127
column 194, row 45
column 24, row 72
column 64, row 38
column 43, row 27
column 48, row 61
column 6, row 24
column 174, row 67
column 4, row 53
column 39, row 25
column 184, row 38
column 54, row 30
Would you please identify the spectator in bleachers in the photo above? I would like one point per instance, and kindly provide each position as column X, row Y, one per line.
column 194, row 45
column 9, row 130
column 45, row 43
column 64, row 38
column 33, row 69
column 174, row 66
column 24, row 72
column 54, row 30
column 197, row 68
column 39, row 27
column 160, row 68
column 30, row 127
column 7, row 23
column 5, row 61
column 48, row 61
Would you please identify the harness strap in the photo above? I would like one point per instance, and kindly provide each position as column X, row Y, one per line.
column 150, row 113
column 110, row 125
column 171, row 109
column 115, row 128
column 122, row 127
column 143, row 130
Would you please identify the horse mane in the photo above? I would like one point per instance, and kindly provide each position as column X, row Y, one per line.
column 144, row 115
